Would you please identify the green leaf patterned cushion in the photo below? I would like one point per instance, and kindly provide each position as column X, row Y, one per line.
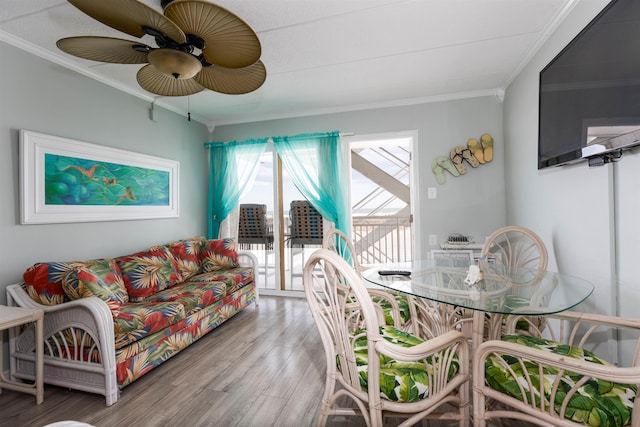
column 403, row 305
column 399, row 381
column 597, row 403
column 98, row 278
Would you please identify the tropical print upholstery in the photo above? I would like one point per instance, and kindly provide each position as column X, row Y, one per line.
column 98, row 278
column 161, row 299
column 43, row 282
column 218, row 254
column 148, row 272
column 140, row 357
column 597, row 404
column 187, row 255
column 403, row 306
column 399, row 381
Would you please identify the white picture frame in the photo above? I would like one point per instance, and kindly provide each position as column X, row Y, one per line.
column 121, row 185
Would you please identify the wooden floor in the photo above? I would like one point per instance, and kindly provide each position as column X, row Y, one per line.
column 264, row 367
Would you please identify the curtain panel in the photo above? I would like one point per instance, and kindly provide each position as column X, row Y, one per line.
column 232, row 170
column 314, row 162
column 316, row 166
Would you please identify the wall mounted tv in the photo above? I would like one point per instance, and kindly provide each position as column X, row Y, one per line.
column 589, row 100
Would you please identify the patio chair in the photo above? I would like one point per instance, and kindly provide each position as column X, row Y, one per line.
column 306, row 228
column 367, row 360
column 253, row 229
column 577, row 386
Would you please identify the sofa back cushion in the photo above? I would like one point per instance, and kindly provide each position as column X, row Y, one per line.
column 43, row 281
column 187, row 255
column 147, row 272
column 218, row 254
column 98, row 278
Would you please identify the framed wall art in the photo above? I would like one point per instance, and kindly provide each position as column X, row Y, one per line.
column 63, row 180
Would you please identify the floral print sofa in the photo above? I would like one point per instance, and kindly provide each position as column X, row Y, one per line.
column 110, row 321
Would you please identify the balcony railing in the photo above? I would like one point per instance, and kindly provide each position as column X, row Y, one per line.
column 382, row 239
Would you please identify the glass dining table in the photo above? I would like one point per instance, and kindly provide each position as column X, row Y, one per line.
column 500, row 291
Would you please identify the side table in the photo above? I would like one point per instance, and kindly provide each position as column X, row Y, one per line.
column 11, row 317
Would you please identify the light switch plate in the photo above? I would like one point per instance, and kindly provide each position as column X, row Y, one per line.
column 432, row 193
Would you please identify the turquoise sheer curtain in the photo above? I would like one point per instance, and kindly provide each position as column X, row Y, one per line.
column 232, row 169
column 315, row 163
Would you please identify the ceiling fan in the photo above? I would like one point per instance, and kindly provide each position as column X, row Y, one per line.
column 199, row 45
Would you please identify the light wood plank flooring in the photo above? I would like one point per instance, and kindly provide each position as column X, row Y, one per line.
column 264, row 367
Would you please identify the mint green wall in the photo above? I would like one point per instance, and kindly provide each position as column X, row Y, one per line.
column 40, row 96
column 472, row 204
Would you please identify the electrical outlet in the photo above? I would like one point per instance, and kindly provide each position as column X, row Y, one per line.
column 432, row 193
column 433, row 239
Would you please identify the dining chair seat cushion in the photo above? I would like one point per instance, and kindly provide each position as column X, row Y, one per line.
column 403, row 305
column 399, row 381
column 597, row 402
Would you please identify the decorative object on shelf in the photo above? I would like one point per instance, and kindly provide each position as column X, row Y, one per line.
column 63, row 180
column 199, row 46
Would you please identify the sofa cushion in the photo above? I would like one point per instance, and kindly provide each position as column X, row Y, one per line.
column 137, row 320
column 234, row 278
column 98, row 278
column 43, row 281
column 148, row 272
column 192, row 295
column 187, row 255
column 599, row 403
column 218, row 254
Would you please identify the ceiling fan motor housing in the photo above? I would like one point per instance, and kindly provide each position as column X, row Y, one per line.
column 176, row 63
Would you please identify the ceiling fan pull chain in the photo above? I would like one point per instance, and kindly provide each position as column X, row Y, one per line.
column 188, row 108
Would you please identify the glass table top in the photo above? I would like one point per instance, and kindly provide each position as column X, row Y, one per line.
column 501, row 290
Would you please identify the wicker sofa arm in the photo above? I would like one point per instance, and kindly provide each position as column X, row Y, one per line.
column 79, row 344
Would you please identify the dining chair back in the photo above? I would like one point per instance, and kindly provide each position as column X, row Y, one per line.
column 516, row 247
column 366, row 360
column 338, row 242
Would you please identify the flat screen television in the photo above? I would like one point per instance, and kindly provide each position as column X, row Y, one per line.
column 589, row 99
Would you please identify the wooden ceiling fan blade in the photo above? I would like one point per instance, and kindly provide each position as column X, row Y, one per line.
column 233, row 81
column 152, row 80
column 230, row 42
column 129, row 16
column 104, row 49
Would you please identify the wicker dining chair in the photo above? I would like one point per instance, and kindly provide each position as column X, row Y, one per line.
column 516, row 247
column 398, row 308
column 378, row 369
column 553, row 378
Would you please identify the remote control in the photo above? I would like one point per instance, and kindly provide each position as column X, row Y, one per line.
column 394, row 273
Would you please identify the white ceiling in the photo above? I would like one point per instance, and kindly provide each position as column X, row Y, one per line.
column 328, row 55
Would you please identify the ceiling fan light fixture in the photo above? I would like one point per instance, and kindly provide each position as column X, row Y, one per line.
column 175, row 63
